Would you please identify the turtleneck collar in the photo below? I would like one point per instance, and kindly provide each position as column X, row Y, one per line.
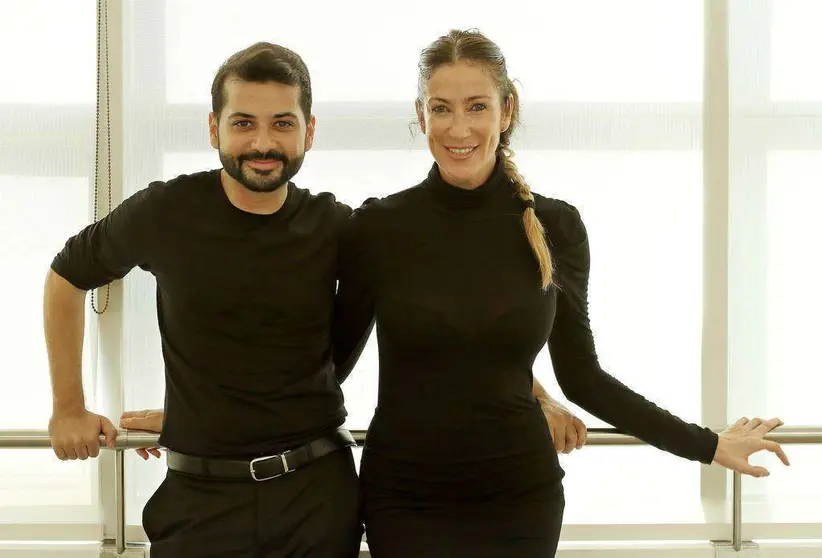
column 493, row 192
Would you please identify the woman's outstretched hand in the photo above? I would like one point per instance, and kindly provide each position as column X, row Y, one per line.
column 744, row 438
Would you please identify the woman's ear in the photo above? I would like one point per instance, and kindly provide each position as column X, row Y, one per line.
column 420, row 115
column 507, row 112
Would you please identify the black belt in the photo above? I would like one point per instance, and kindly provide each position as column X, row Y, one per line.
column 262, row 468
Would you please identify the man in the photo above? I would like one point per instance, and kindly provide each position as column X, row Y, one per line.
column 245, row 264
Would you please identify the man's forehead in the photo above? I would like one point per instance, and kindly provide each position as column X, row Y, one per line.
column 269, row 93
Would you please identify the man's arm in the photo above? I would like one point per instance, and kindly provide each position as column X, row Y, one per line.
column 73, row 429
column 100, row 253
column 567, row 431
column 353, row 318
column 64, row 320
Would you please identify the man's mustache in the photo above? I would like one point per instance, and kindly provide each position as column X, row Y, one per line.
column 267, row 156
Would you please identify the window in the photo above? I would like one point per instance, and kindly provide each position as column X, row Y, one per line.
column 776, row 167
column 614, row 131
column 47, row 118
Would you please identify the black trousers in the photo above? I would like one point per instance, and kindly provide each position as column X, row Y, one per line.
column 312, row 512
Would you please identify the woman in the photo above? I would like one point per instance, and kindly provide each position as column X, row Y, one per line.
column 469, row 275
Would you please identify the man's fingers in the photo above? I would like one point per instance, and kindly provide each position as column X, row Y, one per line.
column 82, row 451
column 61, row 454
column 559, row 440
column 155, row 452
column 142, row 453
column 582, row 432
column 109, row 431
column 570, row 438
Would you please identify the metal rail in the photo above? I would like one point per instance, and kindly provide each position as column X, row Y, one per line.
column 126, row 439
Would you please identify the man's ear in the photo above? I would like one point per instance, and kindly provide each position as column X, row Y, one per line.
column 310, row 128
column 213, row 130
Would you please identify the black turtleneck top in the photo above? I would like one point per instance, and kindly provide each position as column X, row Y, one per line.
column 461, row 317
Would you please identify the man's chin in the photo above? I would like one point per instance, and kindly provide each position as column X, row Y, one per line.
column 262, row 187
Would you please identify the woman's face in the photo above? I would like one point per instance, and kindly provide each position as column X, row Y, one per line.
column 462, row 116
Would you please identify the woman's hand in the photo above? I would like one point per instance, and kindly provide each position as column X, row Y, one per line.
column 743, row 439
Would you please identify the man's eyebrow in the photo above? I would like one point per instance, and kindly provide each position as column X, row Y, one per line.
column 241, row 115
column 251, row 116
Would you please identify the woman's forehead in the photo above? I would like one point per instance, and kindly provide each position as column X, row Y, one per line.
column 460, row 81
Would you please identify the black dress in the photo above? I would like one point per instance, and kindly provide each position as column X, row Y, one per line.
column 458, row 460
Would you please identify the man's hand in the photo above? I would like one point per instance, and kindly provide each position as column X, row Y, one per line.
column 147, row 420
column 743, row 439
column 76, row 435
column 568, row 432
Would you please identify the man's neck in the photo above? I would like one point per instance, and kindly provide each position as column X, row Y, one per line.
column 260, row 203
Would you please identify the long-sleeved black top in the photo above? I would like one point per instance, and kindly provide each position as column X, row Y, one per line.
column 244, row 304
column 461, row 317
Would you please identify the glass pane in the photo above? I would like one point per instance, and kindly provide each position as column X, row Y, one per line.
column 37, row 215
column 791, row 494
column 52, row 47
column 624, row 485
column 794, row 273
column 793, row 304
column 643, row 212
column 590, row 50
column 795, row 47
column 36, row 486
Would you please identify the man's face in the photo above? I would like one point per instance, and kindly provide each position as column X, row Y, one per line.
column 262, row 134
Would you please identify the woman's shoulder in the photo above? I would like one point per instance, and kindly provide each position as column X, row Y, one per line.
column 562, row 221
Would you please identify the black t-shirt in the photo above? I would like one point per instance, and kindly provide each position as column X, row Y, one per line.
column 461, row 317
column 244, row 304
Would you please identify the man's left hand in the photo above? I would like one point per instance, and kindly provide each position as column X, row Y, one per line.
column 567, row 431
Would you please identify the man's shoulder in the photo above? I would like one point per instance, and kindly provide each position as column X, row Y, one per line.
column 185, row 183
column 181, row 187
column 324, row 202
column 320, row 211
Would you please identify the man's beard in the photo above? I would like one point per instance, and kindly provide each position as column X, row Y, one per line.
column 258, row 180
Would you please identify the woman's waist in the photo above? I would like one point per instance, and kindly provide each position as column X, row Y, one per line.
column 433, row 437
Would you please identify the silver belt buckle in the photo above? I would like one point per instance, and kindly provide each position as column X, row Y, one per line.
column 267, row 458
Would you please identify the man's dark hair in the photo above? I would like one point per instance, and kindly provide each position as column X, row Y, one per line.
column 259, row 63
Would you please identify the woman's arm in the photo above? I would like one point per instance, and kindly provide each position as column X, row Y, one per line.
column 585, row 383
